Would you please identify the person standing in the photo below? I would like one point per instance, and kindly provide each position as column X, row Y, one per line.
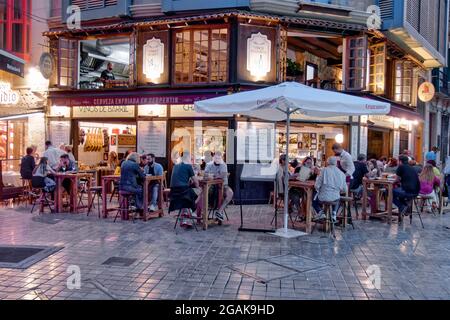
column 409, row 185
column 345, row 162
column 53, row 155
column 154, row 169
column 27, row 165
column 69, row 150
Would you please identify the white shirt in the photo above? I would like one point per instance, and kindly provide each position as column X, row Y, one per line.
column 53, row 154
column 347, row 163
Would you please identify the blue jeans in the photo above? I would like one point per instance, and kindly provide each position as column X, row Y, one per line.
column 138, row 194
column 401, row 198
column 155, row 194
column 317, row 204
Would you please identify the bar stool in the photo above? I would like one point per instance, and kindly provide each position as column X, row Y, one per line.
column 97, row 193
column 124, row 202
column 41, row 198
column 327, row 222
column 426, row 201
column 411, row 201
column 186, row 213
column 346, row 205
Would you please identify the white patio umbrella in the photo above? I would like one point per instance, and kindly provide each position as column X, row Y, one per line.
column 277, row 103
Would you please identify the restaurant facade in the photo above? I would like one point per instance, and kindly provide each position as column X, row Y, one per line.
column 163, row 65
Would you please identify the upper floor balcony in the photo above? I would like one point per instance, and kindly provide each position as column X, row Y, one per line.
column 441, row 79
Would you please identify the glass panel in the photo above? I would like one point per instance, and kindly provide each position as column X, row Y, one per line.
column 3, row 36
column 17, row 37
column 3, row 10
column 17, row 9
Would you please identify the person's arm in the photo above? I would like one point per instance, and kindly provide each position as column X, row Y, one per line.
column 436, row 181
column 50, row 170
column 159, row 170
column 319, row 181
column 193, row 177
column 140, row 172
column 33, row 163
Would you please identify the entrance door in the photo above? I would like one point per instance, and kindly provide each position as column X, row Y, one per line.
column 379, row 144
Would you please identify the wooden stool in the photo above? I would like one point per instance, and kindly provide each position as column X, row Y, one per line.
column 124, row 201
column 328, row 223
column 346, row 204
column 186, row 213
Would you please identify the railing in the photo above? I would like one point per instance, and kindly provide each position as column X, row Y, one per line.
column 440, row 80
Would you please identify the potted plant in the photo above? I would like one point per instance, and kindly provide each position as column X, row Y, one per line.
column 293, row 69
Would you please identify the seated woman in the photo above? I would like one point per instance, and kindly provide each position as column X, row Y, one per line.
column 329, row 186
column 40, row 177
column 182, row 195
column 428, row 181
column 374, row 171
column 130, row 176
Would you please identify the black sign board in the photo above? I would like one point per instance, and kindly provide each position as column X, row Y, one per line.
column 11, row 65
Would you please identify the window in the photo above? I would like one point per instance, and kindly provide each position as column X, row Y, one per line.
column 15, row 25
column 312, row 74
column 356, row 59
column 201, row 55
column 403, row 81
column 377, row 68
column 67, row 52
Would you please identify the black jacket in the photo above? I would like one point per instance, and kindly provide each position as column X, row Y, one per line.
column 27, row 166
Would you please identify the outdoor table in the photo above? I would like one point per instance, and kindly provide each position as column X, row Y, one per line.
column 148, row 180
column 205, row 184
column 106, row 181
column 377, row 183
column 74, row 179
column 308, row 187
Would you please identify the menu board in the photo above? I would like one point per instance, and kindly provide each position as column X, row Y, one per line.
column 152, row 136
column 60, row 132
column 255, row 141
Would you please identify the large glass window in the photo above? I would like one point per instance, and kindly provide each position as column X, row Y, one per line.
column 403, row 81
column 201, row 55
column 15, row 25
column 13, row 141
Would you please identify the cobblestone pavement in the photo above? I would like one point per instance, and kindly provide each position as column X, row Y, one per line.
column 224, row 263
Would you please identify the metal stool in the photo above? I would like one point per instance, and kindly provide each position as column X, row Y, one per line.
column 124, row 201
column 97, row 191
column 42, row 200
column 426, row 201
column 186, row 213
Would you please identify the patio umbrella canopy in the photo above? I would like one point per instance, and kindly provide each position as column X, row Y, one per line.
column 277, row 103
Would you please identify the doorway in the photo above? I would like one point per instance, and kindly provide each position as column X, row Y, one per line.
column 379, row 143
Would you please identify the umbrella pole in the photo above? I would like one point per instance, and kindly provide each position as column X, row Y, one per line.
column 286, row 173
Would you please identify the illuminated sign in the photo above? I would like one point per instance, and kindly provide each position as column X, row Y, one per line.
column 258, row 55
column 426, row 92
column 8, row 96
column 153, row 58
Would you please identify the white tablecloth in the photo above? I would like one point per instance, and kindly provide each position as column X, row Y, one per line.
column 11, row 178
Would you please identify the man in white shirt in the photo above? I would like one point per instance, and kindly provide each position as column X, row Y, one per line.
column 53, row 155
column 345, row 162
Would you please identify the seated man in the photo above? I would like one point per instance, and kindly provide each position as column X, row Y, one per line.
column 66, row 166
column 410, row 185
column 130, row 176
column 154, row 169
column 329, row 185
column 361, row 171
column 219, row 169
column 303, row 173
column 182, row 195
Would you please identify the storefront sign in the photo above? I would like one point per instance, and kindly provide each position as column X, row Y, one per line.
column 299, row 116
column 103, row 112
column 60, row 132
column 188, row 110
column 8, row 96
column 151, row 137
column 426, row 92
column 153, row 58
column 12, row 64
column 129, row 100
column 152, row 110
column 258, row 55
column 46, row 65
column 382, row 121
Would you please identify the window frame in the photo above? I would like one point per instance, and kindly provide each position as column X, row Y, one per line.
column 373, row 83
column 24, row 21
column 402, row 85
column 191, row 59
column 363, row 67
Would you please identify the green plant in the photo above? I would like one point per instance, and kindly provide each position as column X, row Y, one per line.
column 293, row 69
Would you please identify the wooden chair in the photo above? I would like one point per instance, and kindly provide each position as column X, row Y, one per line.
column 166, row 190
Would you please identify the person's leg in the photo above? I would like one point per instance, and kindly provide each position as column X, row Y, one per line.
column 139, row 196
column 155, row 194
column 317, row 205
column 67, row 184
column 399, row 198
column 228, row 196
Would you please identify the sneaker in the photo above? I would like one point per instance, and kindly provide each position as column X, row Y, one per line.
column 333, row 217
column 320, row 216
column 152, row 207
column 219, row 216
